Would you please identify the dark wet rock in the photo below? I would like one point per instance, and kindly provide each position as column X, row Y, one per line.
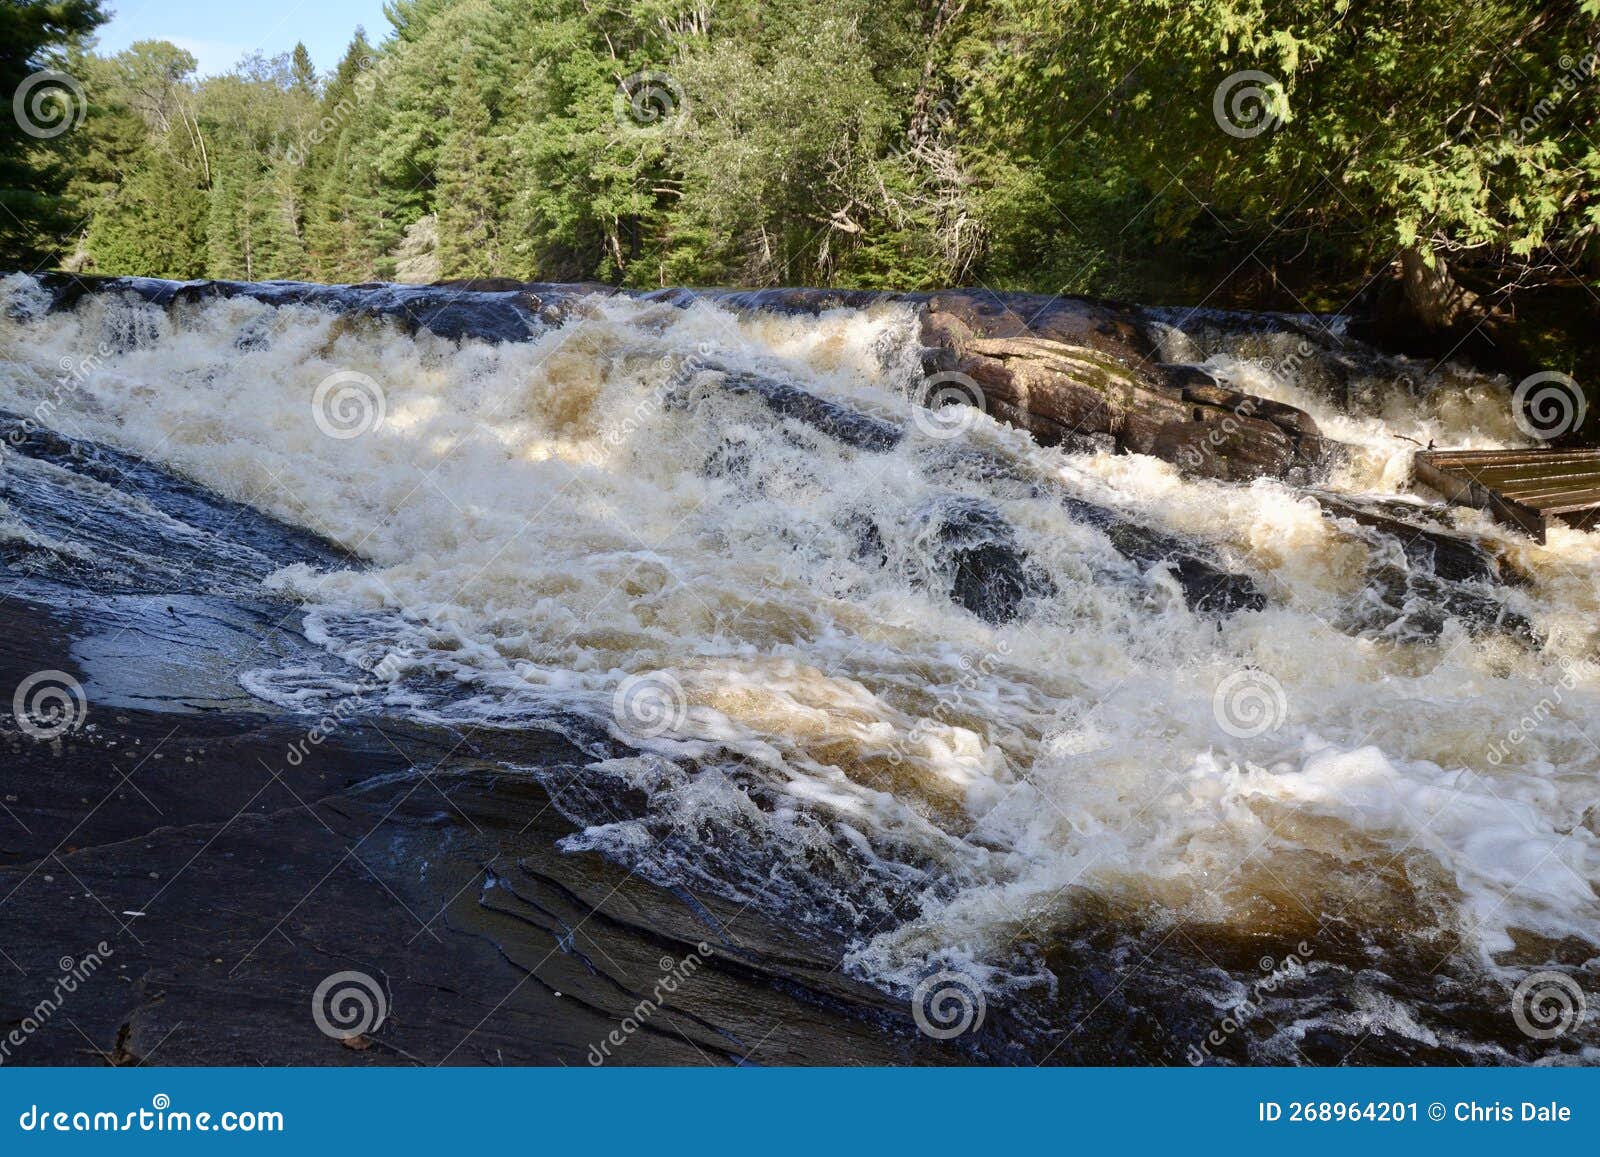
column 1209, row 589
column 220, row 537
column 976, row 549
column 785, row 301
column 228, row 881
column 1207, row 586
column 851, row 427
column 729, row 458
column 869, row 546
column 1450, row 554
column 1424, row 574
column 1410, row 604
column 508, row 312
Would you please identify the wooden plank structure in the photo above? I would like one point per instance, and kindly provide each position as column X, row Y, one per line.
column 1523, row 488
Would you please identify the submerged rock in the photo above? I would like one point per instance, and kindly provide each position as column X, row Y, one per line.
column 1423, row 574
column 851, row 427
column 976, row 549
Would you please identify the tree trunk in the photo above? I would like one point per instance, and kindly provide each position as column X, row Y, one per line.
column 1432, row 293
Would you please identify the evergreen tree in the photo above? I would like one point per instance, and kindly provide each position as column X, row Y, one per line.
column 466, row 194
column 154, row 225
column 35, row 216
column 332, row 230
column 305, row 75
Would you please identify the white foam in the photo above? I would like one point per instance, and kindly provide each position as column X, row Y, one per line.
column 541, row 525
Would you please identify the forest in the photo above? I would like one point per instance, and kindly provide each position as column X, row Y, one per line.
column 1434, row 156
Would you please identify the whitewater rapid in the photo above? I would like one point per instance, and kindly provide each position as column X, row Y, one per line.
column 582, row 532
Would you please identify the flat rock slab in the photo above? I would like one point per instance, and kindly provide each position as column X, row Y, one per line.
column 228, row 882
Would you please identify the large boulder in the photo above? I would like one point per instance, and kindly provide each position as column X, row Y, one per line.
column 1077, row 372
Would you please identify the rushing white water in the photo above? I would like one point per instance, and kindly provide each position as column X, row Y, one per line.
column 582, row 529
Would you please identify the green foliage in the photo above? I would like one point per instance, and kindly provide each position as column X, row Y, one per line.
column 466, row 194
column 154, row 222
column 1110, row 148
column 35, row 209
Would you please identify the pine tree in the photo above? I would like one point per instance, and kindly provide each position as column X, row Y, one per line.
column 305, row 76
column 331, row 230
column 229, row 239
column 35, row 218
column 155, row 223
column 465, row 195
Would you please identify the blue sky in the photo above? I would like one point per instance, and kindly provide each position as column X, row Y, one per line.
column 219, row 32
